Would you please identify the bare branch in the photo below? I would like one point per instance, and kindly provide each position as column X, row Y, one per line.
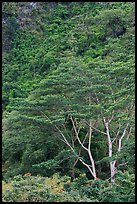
column 80, row 149
column 70, row 136
column 127, row 137
column 114, row 140
column 122, row 136
column 90, row 134
column 118, row 129
column 77, row 134
column 117, row 133
column 89, row 150
column 77, row 158
column 111, row 117
column 65, row 140
column 94, row 128
column 123, row 164
column 130, row 130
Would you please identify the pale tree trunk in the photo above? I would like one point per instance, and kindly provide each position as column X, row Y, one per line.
column 113, row 171
column 89, row 152
column 91, row 167
column 112, row 163
column 113, row 167
column 120, row 146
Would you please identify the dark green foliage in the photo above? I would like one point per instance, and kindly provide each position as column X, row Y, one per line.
column 122, row 191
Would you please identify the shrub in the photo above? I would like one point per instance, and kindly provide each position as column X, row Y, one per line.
column 29, row 188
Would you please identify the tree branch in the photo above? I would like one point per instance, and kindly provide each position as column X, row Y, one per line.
column 94, row 128
column 65, row 140
column 111, row 117
column 74, row 127
column 122, row 136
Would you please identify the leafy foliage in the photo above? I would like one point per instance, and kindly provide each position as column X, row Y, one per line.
column 63, row 61
column 61, row 189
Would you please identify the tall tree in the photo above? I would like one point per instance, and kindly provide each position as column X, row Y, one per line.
column 95, row 96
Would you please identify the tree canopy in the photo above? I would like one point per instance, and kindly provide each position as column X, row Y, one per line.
column 68, row 89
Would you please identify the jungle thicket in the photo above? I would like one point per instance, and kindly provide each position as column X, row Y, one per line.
column 68, row 101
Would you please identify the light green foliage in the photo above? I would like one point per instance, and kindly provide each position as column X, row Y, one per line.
column 27, row 189
column 39, row 189
column 61, row 189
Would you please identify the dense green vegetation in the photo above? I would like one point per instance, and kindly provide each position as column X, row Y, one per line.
column 60, row 189
column 68, row 101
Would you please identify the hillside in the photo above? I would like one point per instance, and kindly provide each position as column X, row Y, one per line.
column 68, row 101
